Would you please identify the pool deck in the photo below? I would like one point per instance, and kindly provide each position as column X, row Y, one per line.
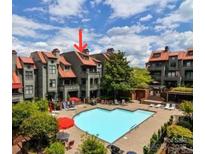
column 133, row 140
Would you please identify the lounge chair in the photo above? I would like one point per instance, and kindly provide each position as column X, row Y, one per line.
column 167, row 106
column 172, row 107
column 151, row 105
column 158, row 105
column 116, row 102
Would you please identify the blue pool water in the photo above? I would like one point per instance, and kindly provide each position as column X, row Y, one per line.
column 110, row 125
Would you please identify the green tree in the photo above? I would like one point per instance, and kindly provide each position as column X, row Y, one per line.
column 55, row 148
column 40, row 126
column 117, row 76
column 186, row 107
column 140, row 78
column 92, row 145
column 178, row 132
column 42, row 105
column 22, row 111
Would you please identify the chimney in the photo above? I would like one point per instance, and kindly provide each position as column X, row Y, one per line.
column 56, row 52
column 14, row 56
column 166, row 48
column 110, row 50
column 86, row 51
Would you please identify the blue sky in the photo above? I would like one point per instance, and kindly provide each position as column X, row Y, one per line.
column 133, row 26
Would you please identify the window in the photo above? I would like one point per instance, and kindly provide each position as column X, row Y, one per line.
column 29, row 75
column 67, row 68
column 188, row 63
column 52, row 69
column 159, row 64
column 173, row 57
column 83, row 81
column 189, row 74
column 156, row 55
column 52, row 83
column 29, row 90
column 173, row 64
column 96, row 81
column 171, row 74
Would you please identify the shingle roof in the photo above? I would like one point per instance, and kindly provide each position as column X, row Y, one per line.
column 49, row 55
column 66, row 74
column 16, row 82
column 40, row 55
column 27, row 60
column 18, row 63
column 63, row 61
column 88, row 61
column 182, row 55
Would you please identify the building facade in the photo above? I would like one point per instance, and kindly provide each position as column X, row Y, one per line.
column 52, row 75
column 171, row 68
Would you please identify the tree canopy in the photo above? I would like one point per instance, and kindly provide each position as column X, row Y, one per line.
column 92, row 145
column 39, row 125
column 186, row 107
column 140, row 78
column 117, row 76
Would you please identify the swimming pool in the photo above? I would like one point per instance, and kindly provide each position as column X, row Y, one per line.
column 110, row 125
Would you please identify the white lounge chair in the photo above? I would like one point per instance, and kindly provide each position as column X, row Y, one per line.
column 172, row 107
column 167, row 106
column 158, row 105
column 151, row 105
column 55, row 112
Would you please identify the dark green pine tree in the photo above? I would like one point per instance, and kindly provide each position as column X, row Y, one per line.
column 117, row 76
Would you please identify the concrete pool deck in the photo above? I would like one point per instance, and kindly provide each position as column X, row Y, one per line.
column 133, row 140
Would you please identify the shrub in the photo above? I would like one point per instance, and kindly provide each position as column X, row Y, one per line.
column 42, row 105
column 182, row 89
column 40, row 127
column 186, row 107
column 186, row 124
column 179, row 131
column 55, row 148
column 92, row 145
column 22, row 111
column 145, row 150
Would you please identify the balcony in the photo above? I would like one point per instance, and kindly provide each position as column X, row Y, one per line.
column 70, row 87
column 188, row 78
column 172, row 78
column 17, row 97
column 94, row 86
column 155, row 68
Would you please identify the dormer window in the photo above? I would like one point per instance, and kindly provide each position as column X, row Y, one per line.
column 156, row 55
column 190, row 53
column 67, row 68
column 173, row 57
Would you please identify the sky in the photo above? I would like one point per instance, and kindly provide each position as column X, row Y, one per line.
column 135, row 27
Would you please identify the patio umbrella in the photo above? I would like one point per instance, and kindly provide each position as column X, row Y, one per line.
column 65, row 122
column 74, row 99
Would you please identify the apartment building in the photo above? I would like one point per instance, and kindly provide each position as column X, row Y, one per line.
column 46, row 74
column 88, row 72
column 23, row 69
column 171, row 68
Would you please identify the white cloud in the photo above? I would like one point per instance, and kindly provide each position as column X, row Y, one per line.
column 25, row 27
column 94, row 3
column 146, row 18
column 85, row 20
column 65, row 8
column 128, row 8
column 126, row 30
column 182, row 15
column 37, row 9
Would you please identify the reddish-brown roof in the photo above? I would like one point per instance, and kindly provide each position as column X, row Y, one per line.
column 88, row 61
column 97, row 61
column 27, row 60
column 182, row 55
column 18, row 63
column 40, row 54
column 163, row 56
column 16, row 82
column 66, row 74
column 49, row 55
column 63, row 61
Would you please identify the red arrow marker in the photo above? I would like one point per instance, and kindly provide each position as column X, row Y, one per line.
column 81, row 47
